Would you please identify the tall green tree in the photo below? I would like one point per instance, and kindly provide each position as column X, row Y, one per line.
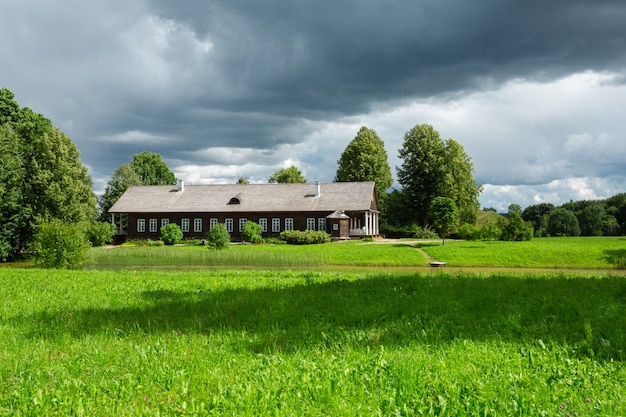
column 152, row 169
column 291, row 175
column 365, row 159
column 432, row 167
column 562, row 222
column 459, row 183
column 123, row 178
column 53, row 183
column 11, row 198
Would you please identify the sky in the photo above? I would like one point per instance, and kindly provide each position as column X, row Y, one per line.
column 535, row 91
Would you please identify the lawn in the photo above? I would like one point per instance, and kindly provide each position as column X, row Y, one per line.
column 563, row 253
column 231, row 342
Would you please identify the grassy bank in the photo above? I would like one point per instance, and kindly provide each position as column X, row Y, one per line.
column 285, row 343
column 587, row 252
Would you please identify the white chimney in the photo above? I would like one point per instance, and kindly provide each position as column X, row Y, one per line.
column 318, row 189
column 181, row 186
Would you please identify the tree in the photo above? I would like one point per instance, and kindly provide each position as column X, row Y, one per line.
column 514, row 228
column 562, row 222
column 515, row 208
column 365, row 159
column 459, row 182
column 445, row 216
column 430, row 168
column 152, row 169
column 291, row 175
column 490, row 231
column 123, row 178
column 537, row 215
column 591, row 219
column 53, row 183
column 11, row 198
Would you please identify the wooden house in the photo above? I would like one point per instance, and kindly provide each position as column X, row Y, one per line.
column 343, row 209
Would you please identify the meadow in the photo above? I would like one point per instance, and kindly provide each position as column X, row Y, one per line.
column 137, row 340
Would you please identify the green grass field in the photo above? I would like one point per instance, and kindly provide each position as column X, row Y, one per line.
column 313, row 342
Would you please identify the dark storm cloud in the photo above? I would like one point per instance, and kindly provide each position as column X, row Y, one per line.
column 180, row 78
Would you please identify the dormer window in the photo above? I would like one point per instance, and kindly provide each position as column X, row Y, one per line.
column 236, row 199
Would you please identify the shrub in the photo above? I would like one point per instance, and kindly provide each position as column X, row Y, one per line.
column 419, row 232
column 60, row 245
column 251, row 232
column 218, row 237
column 101, row 233
column 490, row 231
column 171, row 234
column 307, row 237
column 468, row 232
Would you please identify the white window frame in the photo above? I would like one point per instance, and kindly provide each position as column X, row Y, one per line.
column 164, row 222
column 263, row 224
column 213, row 222
column 184, row 225
column 153, row 225
column 310, row 223
column 276, row 224
column 242, row 223
column 197, row 225
column 228, row 222
column 321, row 224
column 141, row 225
column 288, row 223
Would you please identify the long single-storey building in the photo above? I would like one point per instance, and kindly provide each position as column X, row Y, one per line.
column 343, row 209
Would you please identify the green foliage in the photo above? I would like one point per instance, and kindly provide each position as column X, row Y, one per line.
column 123, row 178
column 432, row 167
column 444, row 215
column 291, row 175
column 60, row 245
column 468, row 232
column 252, row 232
column 100, row 233
column 41, row 176
column 365, row 159
column 490, row 231
column 152, row 169
column 171, row 234
column 218, row 237
column 306, row 237
column 562, row 222
column 514, row 228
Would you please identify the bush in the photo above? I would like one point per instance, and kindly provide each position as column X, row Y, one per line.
column 218, row 237
column 60, row 245
column 419, row 232
column 171, row 234
column 251, row 232
column 298, row 237
column 468, row 232
column 101, row 233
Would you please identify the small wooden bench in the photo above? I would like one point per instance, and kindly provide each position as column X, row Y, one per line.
column 437, row 264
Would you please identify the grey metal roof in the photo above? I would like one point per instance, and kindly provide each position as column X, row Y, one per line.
column 348, row 196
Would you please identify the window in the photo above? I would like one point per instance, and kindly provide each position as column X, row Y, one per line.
column 275, row 224
column 153, row 225
column 242, row 223
column 310, row 223
column 164, row 222
column 212, row 223
column 321, row 224
column 184, row 225
column 197, row 225
column 263, row 224
column 141, row 225
column 229, row 225
column 289, row 223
